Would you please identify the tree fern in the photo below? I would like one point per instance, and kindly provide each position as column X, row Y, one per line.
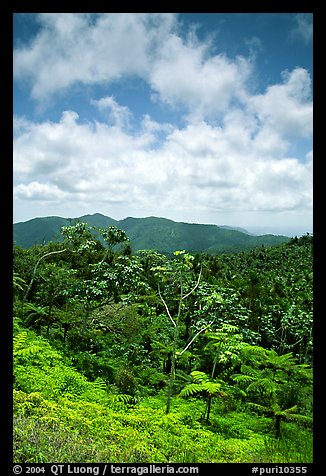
column 264, row 374
column 203, row 385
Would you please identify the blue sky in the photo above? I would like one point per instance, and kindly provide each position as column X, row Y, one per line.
column 202, row 118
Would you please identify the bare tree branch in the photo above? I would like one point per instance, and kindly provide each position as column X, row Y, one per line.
column 36, row 266
column 196, row 285
column 196, row 335
column 165, row 305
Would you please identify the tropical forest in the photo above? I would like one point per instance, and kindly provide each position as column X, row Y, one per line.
column 127, row 356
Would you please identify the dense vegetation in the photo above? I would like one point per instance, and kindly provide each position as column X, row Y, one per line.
column 144, row 357
column 160, row 234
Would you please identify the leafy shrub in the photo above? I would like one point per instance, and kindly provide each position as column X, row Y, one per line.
column 150, row 380
column 126, row 381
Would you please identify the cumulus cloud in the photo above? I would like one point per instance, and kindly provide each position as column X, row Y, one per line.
column 83, row 158
column 101, row 49
column 182, row 72
column 203, row 85
column 117, row 114
column 90, row 49
column 286, row 108
column 38, row 191
column 198, row 166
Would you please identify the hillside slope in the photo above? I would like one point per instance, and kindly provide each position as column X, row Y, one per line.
column 149, row 233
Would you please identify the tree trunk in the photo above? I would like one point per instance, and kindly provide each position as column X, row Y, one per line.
column 207, row 410
column 209, row 401
column 49, row 319
column 172, row 373
column 278, row 419
column 187, row 323
column 167, row 364
column 65, row 331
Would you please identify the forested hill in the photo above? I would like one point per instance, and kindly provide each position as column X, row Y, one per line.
column 160, row 234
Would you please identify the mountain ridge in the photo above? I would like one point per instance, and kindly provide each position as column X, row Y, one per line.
column 162, row 234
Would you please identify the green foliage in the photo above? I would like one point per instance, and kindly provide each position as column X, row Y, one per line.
column 232, row 333
column 19, row 347
column 113, row 236
column 19, row 284
column 59, row 416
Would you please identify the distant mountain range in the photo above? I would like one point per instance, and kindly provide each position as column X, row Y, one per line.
column 160, row 234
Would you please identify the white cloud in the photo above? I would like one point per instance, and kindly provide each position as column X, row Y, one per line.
column 38, row 191
column 303, row 29
column 118, row 115
column 280, row 185
column 183, row 75
column 82, row 158
column 198, row 167
column 79, row 47
column 286, row 108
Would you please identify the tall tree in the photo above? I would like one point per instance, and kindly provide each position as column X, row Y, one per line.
column 178, row 272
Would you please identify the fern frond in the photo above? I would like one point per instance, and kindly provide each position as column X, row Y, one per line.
column 248, row 370
column 285, row 361
column 123, row 398
column 181, row 375
column 18, row 282
column 99, row 383
column 213, row 389
column 32, row 349
column 18, row 345
column 299, row 418
column 242, row 378
column 19, row 341
column 288, row 413
column 264, row 384
column 261, row 408
column 191, row 389
column 199, row 376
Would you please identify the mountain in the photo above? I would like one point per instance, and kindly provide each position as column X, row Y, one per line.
column 160, row 234
column 238, row 228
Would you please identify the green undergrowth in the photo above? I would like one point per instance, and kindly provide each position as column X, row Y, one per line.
column 60, row 416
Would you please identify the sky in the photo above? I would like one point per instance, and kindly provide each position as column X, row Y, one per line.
column 195, row 117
